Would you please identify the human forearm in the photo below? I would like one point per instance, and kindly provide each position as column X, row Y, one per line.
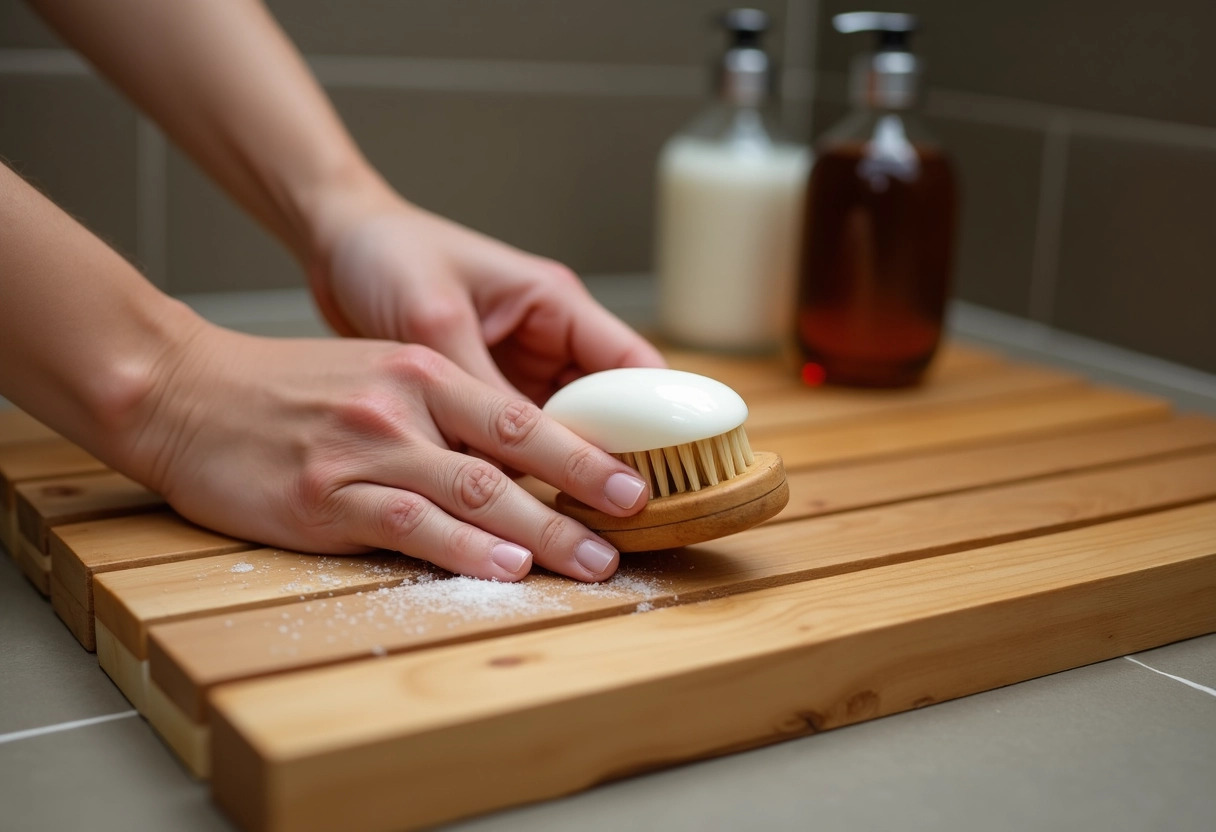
column 82, row 334
column 224, row 81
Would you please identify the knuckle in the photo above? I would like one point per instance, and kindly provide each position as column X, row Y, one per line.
column 370, row 413
column 515, row 422
column 551, row 533
column 404, row 515
column 415, row 364
column 477, row 485
column 581, row 465
column 316, row 484
column 438, row 317
column 461, row 541
column 561, row 275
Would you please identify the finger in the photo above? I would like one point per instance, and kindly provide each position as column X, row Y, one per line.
column 601, row 341
column 476, row 492
column 406, row 522
column 566, row 322
column 456, row 333
column 515, row 431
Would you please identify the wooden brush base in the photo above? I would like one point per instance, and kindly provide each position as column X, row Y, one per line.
column 739, row 503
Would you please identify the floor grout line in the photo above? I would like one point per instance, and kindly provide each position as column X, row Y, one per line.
column 63, row 726
column 1187, row 682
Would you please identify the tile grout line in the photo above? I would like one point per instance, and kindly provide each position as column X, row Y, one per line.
column 63, row 726
column 574, row 78
column 1045, row 265
column 1187, row 682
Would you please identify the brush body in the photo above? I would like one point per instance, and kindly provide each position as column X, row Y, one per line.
column 684, row 435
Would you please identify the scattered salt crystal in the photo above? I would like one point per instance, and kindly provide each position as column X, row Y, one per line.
column 379, row 651
column 645, row 606
column 241, row 567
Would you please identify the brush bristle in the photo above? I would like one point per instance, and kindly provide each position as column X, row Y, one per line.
column 693, row 465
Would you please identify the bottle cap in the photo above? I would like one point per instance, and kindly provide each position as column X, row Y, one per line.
column 745, row 71
column 886, row 78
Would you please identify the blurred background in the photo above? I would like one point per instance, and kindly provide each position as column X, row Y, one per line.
column 1084, row 135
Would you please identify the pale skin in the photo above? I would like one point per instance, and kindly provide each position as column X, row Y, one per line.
column 391, row 440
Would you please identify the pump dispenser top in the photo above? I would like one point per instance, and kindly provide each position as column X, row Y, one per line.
column 729, row 194
column 745, row 71
column 888, row 77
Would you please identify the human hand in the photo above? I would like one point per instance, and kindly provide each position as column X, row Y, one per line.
column 342, row 445
column 516, row 321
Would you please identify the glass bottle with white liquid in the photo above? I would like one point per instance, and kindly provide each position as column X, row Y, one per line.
column 730, row 192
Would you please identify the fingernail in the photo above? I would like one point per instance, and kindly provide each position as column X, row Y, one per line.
column 509, row 556
column 624, row 490
column 594, row 556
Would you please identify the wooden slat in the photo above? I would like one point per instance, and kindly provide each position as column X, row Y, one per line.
column 35, row 565
column 41, row 459
column 130, row 601
column 800, row 407
column 958, row 425
column 44, row 504
column 17, row 426
column 828, row 490
column 79, row 551
column 189, row 657
column 394, row 743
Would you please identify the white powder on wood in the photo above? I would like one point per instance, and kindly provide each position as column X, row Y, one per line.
column 243, row 566
column 429, row 601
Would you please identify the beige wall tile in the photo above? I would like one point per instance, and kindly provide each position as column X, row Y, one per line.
column 75, row 140
column 998, row 170
column 1121, row 56
column 624, row 31
column 1138, row 249
column 212, row 245
column 568, row 177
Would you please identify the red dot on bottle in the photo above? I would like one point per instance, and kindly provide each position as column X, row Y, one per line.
column 813, row 374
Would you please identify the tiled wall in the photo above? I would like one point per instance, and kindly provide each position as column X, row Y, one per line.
column 1085, row 134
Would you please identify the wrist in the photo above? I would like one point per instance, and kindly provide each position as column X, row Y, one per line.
column 347, row 194
column 130, row 404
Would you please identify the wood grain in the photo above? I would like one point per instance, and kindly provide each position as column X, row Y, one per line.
column 189, row 657
column 828, row 490
column 541, row 714
column 43, row 504
column 79, row 551
column 801, row 406
column 131, row 600
column 40, row 459
column 959, row 425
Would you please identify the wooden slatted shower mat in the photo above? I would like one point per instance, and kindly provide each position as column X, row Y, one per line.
column 999, row 522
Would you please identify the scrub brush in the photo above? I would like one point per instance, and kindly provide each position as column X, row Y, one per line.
column 683, row 433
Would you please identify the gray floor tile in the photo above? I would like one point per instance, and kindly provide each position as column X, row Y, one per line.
column 46, row 677
column 105, row 778
column 1194, row 660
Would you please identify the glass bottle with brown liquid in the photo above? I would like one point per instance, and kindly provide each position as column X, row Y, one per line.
column 874, row 271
